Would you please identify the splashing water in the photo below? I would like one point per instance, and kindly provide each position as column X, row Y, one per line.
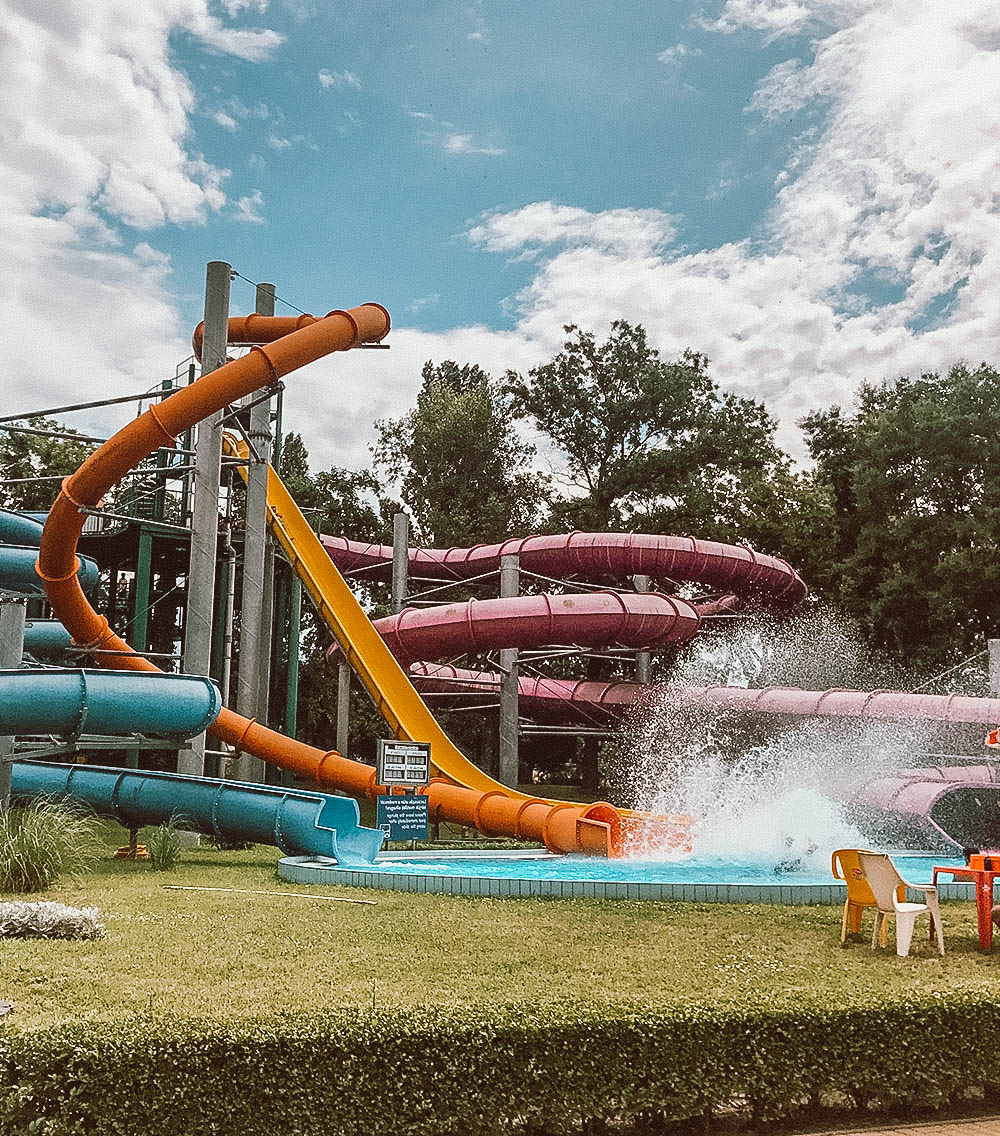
column 763, row 789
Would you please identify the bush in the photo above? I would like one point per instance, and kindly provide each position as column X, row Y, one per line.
column 491, row 1070
column 163, row 844
column 45, row 840
column 20, row 920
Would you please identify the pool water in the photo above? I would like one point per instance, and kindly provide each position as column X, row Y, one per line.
column 916, row 868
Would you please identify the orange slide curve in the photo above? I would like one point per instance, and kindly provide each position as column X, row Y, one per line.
column 280, row 347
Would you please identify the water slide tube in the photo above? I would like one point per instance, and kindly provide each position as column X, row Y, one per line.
column 67, row 703
column 21, row 535
column 299, row 822
column 554, row 697
column 764, row 579
column 280, row 347
column 942, row 808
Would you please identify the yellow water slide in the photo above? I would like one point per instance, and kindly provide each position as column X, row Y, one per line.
column 389, row 686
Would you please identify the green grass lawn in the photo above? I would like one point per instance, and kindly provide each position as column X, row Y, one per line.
column 231, row 955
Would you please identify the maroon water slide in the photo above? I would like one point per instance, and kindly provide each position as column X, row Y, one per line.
column 766, row 580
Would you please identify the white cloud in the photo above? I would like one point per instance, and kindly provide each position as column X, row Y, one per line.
column 248, row 208
column 463, row 144
column 234, row 7
column 449, row 138
column 881, row 256
column 634, row 232
column 334, row 401
column 422, row 303
column 672, row 56
column 776, row 17
column 227, row 122
column 338, row 80
column 94, row 119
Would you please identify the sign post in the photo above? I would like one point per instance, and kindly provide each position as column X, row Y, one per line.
column 405, row 765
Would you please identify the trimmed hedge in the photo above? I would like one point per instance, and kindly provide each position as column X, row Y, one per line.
column 506, row 1069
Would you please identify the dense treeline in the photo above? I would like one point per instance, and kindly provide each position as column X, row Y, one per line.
column 895, row 521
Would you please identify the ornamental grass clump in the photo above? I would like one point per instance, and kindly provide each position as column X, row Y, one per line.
column 43, row 841
column 163, row 843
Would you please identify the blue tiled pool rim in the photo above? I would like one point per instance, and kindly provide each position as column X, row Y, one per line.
column 783, row 890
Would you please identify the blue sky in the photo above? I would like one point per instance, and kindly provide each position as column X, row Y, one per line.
column 434, row 114
column 801, row 189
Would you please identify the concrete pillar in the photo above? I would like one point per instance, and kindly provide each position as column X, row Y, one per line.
column 255, row 621
column 343, row 706
column 205, row 518
column 510, row 586
column 292, row 679
column 11, row 650
column 265, row 307
column 400, row 560
column 643, row 659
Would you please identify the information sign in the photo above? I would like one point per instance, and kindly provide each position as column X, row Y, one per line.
column 403, row 818
column 403, row 763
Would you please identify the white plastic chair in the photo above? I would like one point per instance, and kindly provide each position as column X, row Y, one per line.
column 884, row 880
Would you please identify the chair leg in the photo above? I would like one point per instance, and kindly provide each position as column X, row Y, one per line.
column 878, row 920
column 904, row 932
column 936, row 919
column 843, row 926
column 884, row 937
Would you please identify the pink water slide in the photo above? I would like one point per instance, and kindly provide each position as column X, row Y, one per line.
column 940, row 807
column 646, row 620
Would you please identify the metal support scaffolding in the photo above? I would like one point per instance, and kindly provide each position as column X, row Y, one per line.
column 255, row 606
column 510, row 585
column 205, row 519
column 11, row 650
column 400, row 560
column 643, row 659
column 343, row 706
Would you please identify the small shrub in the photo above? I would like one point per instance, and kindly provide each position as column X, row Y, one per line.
column 44, row 840
column 21, row 920
column 227, row 844
column 164, row 845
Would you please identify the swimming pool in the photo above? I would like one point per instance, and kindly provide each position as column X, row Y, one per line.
column 537, row 873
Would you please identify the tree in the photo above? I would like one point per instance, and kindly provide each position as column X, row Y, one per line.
column 343, row 502
column 914, row 476
column 464, row 474
column 34, row 457
column 655, row 446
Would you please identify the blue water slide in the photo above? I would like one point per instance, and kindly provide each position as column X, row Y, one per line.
column 299, row 822
column 67, row 703
column 46, row 639
column 20, row 528
column 21, row 534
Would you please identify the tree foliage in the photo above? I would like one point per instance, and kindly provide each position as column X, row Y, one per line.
column 35, row 456
column 341, row 502
column 657, row 446
column 464, row 474
column 914, row 476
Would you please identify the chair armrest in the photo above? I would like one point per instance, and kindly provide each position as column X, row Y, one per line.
column 927, row 889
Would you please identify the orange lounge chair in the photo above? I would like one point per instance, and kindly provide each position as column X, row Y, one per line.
column 859, row 893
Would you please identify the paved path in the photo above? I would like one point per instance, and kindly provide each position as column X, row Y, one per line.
column 979, row 1126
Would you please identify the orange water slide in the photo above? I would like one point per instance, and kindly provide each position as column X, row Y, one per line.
column 280, row 347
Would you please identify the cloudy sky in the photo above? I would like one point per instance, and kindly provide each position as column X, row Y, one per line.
column 802, row 189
